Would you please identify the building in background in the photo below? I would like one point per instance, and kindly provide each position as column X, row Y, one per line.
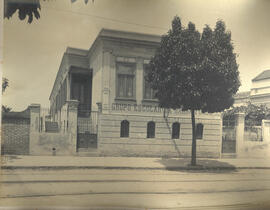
column 259, row 92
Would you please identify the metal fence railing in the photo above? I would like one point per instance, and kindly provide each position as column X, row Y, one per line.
column 88, row 124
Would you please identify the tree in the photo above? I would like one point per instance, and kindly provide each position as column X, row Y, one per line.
column 193, row 71
column 26, row 8
column 4, row 86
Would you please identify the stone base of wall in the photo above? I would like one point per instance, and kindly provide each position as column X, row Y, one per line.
column 137, row 145
column 253, row 149
column 144, row 150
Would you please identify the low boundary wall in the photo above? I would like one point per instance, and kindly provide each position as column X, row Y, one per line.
column 137, row 144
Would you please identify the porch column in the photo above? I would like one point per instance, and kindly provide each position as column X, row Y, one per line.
column 68, row 86
column 72, row 106
column 240, row 129
column 106, row 81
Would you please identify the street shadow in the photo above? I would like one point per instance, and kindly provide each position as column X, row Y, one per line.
column 203, row 165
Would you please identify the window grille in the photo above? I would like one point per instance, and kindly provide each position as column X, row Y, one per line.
column 175, row 130
column 199, row 131
column 151, row 129
column 124, row 129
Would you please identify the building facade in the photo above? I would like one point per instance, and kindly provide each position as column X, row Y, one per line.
column 117, row 112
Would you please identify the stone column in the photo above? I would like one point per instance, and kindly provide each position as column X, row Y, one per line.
column 68, row 86
column 106, row 81
column 240, row 129
column 221, row 130
column 34, row 127
column 72, row 106
column 139, row 80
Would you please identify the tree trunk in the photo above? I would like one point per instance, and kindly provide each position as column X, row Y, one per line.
column 193, row 152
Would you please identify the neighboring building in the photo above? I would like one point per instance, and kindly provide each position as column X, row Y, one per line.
column 117, row 112
column 259, row 92
column 242, row 98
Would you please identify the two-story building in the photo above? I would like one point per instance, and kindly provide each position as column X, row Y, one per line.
column 117, row 112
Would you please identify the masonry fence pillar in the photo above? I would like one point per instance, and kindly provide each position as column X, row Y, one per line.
column 99, row 105
column 240, row 129
column 266, row 131
column 34, row 126
column 72, row 106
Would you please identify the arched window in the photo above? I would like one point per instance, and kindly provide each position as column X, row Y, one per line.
column 124, row 129
column 175, row 130
column 199, row 131
column 151, row 129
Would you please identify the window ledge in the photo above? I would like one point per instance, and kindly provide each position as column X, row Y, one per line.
column 126, row 99
column 150, row 100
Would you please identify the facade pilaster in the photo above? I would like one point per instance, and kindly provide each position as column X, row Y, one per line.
column 139, row 80
column 106, row 71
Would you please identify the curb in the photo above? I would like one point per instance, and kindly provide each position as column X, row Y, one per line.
column 184, row 168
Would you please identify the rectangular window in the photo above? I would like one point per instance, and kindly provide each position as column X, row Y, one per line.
column 125, row 83
column 149, row 93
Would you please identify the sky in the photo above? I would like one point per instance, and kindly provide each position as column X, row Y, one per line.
column 33, row 52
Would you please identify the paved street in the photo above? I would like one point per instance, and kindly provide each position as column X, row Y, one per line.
column 142, row 189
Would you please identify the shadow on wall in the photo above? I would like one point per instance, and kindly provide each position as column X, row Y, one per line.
column 207, row 165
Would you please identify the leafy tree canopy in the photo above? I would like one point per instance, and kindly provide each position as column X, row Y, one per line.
column 194, row 71
column 26, row 8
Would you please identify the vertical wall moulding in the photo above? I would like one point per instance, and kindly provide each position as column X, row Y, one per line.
column 106, row 81
column 139, row 80
column 68, row 86
column 72, row 106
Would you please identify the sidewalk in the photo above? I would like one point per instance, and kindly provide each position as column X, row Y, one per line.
column 76, row 162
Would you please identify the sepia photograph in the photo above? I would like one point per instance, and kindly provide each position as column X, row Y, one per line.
column 135, row 104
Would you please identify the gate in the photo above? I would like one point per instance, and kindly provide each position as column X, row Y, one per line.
column 228, row 136
column 87, row 132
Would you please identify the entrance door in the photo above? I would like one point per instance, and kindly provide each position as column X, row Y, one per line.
column 82, row 91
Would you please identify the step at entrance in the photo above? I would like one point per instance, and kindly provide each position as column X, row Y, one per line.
column 51, row 127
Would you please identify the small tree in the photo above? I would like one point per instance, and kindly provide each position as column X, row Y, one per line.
column 4, row 87
column 193, row 71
